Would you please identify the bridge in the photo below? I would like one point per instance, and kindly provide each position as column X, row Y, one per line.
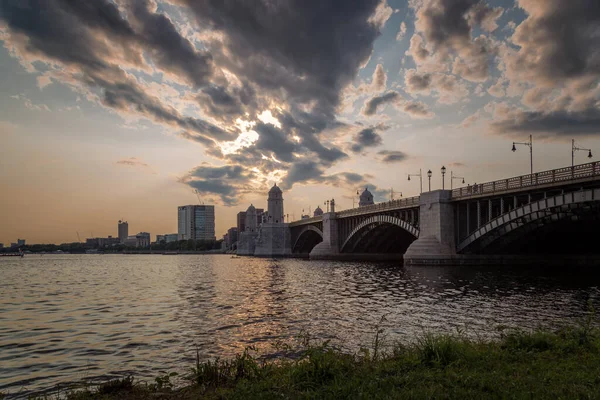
column 552, row 211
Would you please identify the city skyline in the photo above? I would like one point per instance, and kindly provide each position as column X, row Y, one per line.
column 127, row 124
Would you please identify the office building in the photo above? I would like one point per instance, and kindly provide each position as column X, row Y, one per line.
column 123, row 230
column 196, row 222
column 20, row 242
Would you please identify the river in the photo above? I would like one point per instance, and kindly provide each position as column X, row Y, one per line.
column 66, row 318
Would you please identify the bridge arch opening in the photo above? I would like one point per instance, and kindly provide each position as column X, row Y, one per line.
column 381, row 235
column 568, row 229
column 307, row 240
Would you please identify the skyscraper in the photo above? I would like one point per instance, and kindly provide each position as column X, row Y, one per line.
column 123, row 231
column 196, row 222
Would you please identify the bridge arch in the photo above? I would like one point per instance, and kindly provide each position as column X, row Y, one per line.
column 542, row 216
column 382, row 234
column 307, row 239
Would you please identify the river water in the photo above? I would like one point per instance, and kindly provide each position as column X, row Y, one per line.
column 66, row 318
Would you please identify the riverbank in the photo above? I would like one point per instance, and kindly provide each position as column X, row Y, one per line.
column 540, row 364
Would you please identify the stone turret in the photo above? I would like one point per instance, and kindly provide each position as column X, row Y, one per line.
column 318, row 212
column 274, row 238
column 251, row 219
column 275, row 205
column 366, row 198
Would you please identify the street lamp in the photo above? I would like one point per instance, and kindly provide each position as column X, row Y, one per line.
column 326, row 203
column 443, row 176
column 420, row 178
column 530, row 144
column 574, row 149
column 429, row 176
column 452, row 178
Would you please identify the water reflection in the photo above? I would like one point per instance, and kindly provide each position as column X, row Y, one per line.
column 65, row 318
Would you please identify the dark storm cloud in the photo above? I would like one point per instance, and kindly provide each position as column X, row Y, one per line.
column 66, row 31
column 392, row 156
column 274, row 141
column 374, row 102
column 367, row 137
column 308, row 126
column 557, row 123
column 285, row 56
column 124, row 95
column 227, row 182
column 311, row 51
column 168, row 48
column 302, row 172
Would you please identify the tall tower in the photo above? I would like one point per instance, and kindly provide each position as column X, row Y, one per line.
column 275, row 205
column 123, row 231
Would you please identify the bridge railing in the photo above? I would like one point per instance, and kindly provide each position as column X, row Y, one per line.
column 384, row 206
column 530, row 181
column 306, row 221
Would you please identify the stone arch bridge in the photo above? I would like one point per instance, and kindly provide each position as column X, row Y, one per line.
column 553, row 211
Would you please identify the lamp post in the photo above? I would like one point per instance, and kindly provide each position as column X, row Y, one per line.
column 420, row 178
column 452, row 178
column 530, row 144
column 574, row 149
column 443, row 176
column 429, row 176
column 326, row 203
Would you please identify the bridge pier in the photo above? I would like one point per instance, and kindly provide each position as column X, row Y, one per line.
column 436, row 238
column 329, row 248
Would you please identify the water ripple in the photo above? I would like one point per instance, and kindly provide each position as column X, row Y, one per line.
column 70, row 318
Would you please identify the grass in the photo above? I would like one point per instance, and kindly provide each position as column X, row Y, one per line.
column 563, row 364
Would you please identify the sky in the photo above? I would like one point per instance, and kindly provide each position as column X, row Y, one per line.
column 126, row 109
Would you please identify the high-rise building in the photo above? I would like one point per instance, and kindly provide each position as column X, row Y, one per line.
column 20, row 242
column 123, row 231
column 241, row 221
column 196, row 222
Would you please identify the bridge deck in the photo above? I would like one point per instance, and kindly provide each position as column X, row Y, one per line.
column 399, row 204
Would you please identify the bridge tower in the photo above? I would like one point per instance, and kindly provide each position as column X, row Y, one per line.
column 274, row 237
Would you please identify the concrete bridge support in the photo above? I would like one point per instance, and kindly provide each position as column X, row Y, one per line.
column 329, row 248
column 436, row 239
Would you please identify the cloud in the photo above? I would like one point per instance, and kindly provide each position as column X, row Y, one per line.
column 554, row 123
column 417, row 109
column 132, row 162
column 446, row 87
column 375, row 102
column 558, row 41
column 226, row 182
column 447, row 27
column 416, row 82
column 379, row 78
column 367, row 137
column 392, row 156
column 90, row 63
